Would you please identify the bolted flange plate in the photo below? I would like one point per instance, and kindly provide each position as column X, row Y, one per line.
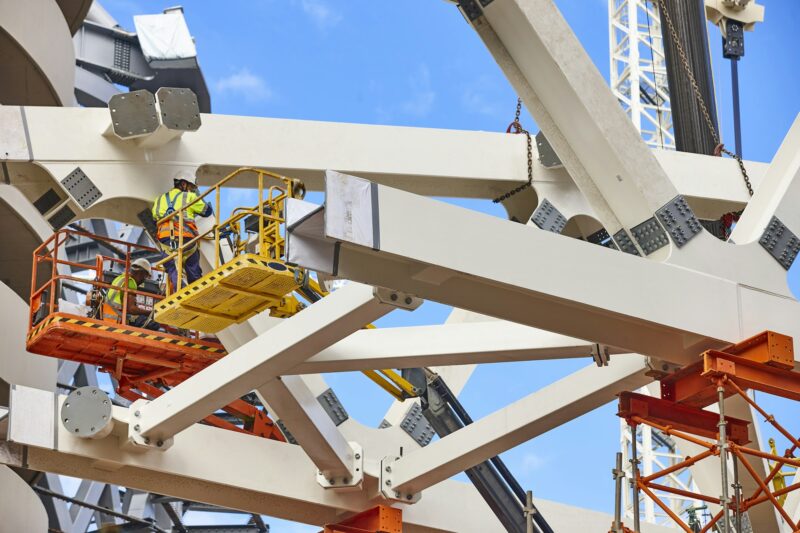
column 679, row 220
column 387, row 491
column 780, row 242
column 650, row 235
column 624, row 242
column 133, row 114
column 86, row 413
column 548, row 217
column 179, row 109
column 397, row 298
column 348, row 483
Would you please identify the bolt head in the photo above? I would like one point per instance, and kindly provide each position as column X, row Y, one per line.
column 147, row 440
column 136, row 427
column 388, row 483
column 160, row 443
column 358, row 456
column 137, row 414
column 388, row 468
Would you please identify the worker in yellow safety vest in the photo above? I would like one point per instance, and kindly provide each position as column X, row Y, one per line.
column 112, row 307
column 183, row 193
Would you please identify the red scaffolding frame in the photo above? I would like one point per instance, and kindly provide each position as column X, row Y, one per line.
column 764, row 363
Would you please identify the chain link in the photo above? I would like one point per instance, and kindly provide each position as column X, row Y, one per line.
column 516, row 128
column 720, row 148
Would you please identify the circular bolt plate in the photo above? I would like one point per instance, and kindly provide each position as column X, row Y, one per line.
column 86, row 413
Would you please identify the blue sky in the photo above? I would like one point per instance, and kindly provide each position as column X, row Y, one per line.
column 417, row 63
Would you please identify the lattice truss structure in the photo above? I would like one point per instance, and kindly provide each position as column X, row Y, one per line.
column 650, row 288
column 638, row 69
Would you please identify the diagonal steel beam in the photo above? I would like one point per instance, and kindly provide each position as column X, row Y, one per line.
column 262, row 359
column 778, row 193
column 571, row 102
column 314, row 430
column 519, row 422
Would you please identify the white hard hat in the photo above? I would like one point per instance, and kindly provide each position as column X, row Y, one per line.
column 185, row 175
column 142, row 264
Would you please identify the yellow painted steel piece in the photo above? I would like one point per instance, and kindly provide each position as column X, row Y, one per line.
column 236, row 291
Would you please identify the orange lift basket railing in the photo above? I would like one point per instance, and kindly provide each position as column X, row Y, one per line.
column 144, row 363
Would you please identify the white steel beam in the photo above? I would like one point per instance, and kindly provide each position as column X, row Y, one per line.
column 225, row 470
column 639, row 306
column 545, row 409
column 314, row 430
column 778, row 194
column 447, row 162
column 262, row 359
column 571, row 102
column 444, row 345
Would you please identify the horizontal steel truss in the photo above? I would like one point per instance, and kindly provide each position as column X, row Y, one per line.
column 645, row 307
column 247, row 473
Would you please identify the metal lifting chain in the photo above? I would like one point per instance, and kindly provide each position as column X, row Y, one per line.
column 720, row 148
column 516, row 128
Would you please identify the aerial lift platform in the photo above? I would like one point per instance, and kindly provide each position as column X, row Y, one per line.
column 254, row 279
column 143, row 363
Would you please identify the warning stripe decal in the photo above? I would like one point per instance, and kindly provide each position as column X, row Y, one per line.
column 124, row 331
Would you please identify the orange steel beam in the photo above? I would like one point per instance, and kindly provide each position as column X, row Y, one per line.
column 379, row 519
column 681, row 492
column 768, row 347
column 664, row 507
column 751, row 375
column 764, row 362
column 679, row 416
column 764, row 488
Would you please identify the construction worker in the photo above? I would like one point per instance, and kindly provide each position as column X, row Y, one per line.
column 112, row 307
column 184, row 192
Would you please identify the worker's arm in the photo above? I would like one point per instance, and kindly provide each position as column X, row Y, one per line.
column 133, row 307
column 200, row 208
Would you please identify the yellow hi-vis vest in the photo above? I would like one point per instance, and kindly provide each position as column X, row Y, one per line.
column 172, row 201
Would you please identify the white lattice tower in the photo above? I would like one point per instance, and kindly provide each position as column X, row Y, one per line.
column 638, row 69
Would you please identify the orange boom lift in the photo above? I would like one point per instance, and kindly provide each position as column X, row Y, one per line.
column 144, row 363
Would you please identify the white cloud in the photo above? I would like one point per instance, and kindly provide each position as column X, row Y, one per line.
column 322, row 14
column 421, row 96
column 244, row 83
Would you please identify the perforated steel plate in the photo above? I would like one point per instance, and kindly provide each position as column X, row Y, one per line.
column 548, row 218
column 679, row 221
column 547, row 156
column 780, row 242
column 417, row 426
column 81, row 188
column 61, row 217
column 331, row 404
column 650, row 236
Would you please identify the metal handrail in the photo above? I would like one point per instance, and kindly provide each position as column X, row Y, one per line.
column 49, row 251
column 291, row 186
